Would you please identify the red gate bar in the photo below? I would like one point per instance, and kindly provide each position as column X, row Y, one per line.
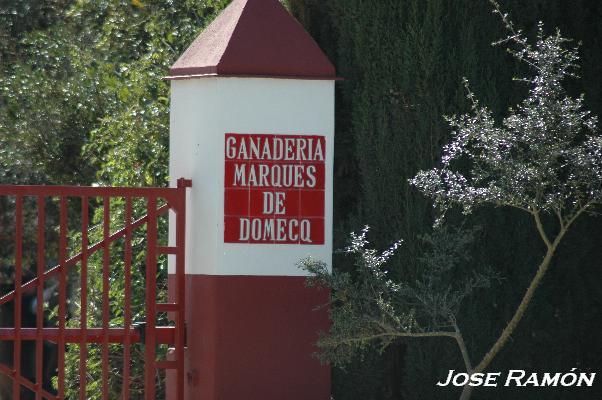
column 18, row 301
column 40, row 294
column 83, row 350
column 169, row 194
column 62, row 295
column 163, row 335
column 147, row 333
column 106, row 229
column 128, row 285
column 151, row 298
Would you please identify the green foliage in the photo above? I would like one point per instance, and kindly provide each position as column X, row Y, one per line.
column 87, row 80
column 369, row 308
column 444, row 283
column 362, row 303
column 48, row 103
column 130, row 142
column 82, row 101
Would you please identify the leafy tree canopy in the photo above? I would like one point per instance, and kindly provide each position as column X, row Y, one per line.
column 82, row 95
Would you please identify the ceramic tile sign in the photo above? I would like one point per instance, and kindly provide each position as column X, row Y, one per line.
column 274, row 189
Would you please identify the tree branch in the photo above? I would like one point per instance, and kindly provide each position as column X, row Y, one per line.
column 518, row 207
column 540, row 229
column 460, row 340
column 560, row 218
column 572, row 218
column 395, row 334
column 522, row 307
column 392, row 333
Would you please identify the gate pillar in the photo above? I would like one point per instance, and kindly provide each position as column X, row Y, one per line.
column 252, row 123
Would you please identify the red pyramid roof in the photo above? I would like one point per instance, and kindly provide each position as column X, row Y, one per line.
column 254, row 38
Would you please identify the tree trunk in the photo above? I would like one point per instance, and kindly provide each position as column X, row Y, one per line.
column 466, row 392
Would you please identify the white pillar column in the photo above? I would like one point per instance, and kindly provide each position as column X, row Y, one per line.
column 252, row 124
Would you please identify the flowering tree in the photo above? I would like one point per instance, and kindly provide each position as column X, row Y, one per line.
column 545, row 158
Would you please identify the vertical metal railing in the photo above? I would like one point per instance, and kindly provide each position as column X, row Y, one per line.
column 106, row 231
column 158, row 202
column 151, row 296
column 18, row 299
column 41, row 239
column 83, row 319
column 128, row 287
column 62, row 295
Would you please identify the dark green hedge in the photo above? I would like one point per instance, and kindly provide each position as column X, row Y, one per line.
column 403, row 61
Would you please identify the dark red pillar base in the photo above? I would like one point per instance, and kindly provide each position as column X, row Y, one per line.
column 252, row 337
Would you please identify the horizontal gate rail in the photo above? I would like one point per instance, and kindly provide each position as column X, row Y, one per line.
column 164, row 335
column 87, row 191
column 158, row 202
column 77, row 258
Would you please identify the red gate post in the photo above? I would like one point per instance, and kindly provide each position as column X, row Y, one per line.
column 252, row 123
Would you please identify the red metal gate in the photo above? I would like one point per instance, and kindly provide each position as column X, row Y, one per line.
column 142, row 328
